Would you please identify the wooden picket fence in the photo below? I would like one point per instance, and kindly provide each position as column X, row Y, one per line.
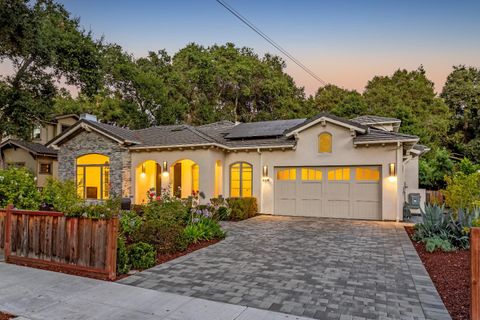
column 475, row 272
column 50, row 240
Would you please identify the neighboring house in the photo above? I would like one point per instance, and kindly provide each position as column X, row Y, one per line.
column 324, row 166
column 34, row 155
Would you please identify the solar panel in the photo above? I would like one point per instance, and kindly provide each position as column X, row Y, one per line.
column 262, row 129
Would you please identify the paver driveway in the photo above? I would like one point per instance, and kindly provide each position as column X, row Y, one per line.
column 320, row 268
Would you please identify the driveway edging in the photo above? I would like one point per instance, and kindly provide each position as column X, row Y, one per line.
column 431, row 302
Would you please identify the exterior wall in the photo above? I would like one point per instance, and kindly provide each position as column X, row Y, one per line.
column 204, row 158
column 91, row 142
column 411, row 173
column 65, row 121
column 47, row 132
column 343, row 153
column 12, row 155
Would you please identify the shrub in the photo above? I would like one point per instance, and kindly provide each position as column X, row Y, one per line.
column 104, row 210
column 434, row 243
column 242, row 208
column 221, row 210
column 123, row 264
column 463, row 190
column 204, row 229
column 141, row 255
column 174, row 211
column 129, row 221
column 60, row 195
column 166, row 235
column 18, row 187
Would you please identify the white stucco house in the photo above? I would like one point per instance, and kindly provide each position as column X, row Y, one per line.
column 324, row 166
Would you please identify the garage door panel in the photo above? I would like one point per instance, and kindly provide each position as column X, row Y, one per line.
column 310, row 208
column 337, row 209
column 338, row 192
column 311, row 190
column 367, row 210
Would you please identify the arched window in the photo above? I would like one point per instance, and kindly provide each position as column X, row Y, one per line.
column 241, row 180
column 93, row 176
column 325, row 142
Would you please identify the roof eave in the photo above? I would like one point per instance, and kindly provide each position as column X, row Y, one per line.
column 386, row 141
column 328, row 119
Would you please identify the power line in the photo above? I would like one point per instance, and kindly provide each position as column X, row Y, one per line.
column 270, row 40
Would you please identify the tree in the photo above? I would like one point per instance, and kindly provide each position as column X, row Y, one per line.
column 462, row 95
column 44, row 45
column 410, row 96
column 338, row 101
column 434, row 167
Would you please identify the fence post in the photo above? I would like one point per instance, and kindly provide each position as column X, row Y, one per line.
column 111, row 263
column 475, row 272
column 8, row 231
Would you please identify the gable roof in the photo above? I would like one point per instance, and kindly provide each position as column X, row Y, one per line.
column 118, row 134
column 229, row 135
column 324, row 116
column 37, row 149
column 372, row 120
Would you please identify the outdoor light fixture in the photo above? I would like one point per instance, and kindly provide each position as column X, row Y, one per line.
column 265, row 173
column 392, row 172
column 143, row 170
column 165, row 169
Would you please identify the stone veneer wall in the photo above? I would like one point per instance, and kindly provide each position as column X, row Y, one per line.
column 91, row 142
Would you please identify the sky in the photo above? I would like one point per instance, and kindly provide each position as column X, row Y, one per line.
column 344, row 42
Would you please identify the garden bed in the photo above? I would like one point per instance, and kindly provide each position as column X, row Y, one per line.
column 6, row 316
column 450, row 273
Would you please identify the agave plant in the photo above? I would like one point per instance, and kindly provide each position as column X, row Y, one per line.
column 434, row 223
column 460, row 225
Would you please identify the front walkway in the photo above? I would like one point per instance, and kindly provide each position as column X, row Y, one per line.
column 320, row 268
column 43, row 295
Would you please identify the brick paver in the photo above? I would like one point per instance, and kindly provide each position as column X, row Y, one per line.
column 320, row 268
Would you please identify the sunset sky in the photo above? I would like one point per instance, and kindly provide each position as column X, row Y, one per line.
column 344, row 42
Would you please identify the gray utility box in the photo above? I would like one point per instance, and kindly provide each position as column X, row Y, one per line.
column 414, row 200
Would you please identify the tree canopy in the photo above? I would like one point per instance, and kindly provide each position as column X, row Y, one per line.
column 44, row 45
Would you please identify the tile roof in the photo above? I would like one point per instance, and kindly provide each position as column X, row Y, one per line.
column 36, row 148
column 331, row 116
column 383, row 136
column 231, row 135
column 366, row 120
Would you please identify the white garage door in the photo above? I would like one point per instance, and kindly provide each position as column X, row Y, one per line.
column 338, row 192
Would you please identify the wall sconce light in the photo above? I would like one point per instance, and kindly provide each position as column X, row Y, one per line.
column 265, row 173
column 143, row 170
column 165, row 169
column 392, row 172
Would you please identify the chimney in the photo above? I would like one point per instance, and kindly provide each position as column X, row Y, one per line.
column 89, row 117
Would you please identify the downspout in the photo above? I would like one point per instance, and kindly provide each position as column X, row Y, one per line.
column 261, row 182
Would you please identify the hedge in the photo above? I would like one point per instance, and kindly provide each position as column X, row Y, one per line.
column 242, row 208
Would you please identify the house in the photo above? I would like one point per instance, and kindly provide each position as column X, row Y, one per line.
column 325, row 166
column 34, row 155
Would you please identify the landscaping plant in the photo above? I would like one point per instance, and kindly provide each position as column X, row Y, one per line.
column 242, row 208
column 18, row 187
column 123, row 263
column 141, row 255
column 60, row 195
column 463, row 190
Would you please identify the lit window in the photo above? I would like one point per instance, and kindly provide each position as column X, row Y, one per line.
column 362, row 174
column 287, row 174
column 195, row 177
column 241, row 180
column 325, row 142
column 45, row 168
column 340, row 174
column 309, row 174
column 93, row 176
